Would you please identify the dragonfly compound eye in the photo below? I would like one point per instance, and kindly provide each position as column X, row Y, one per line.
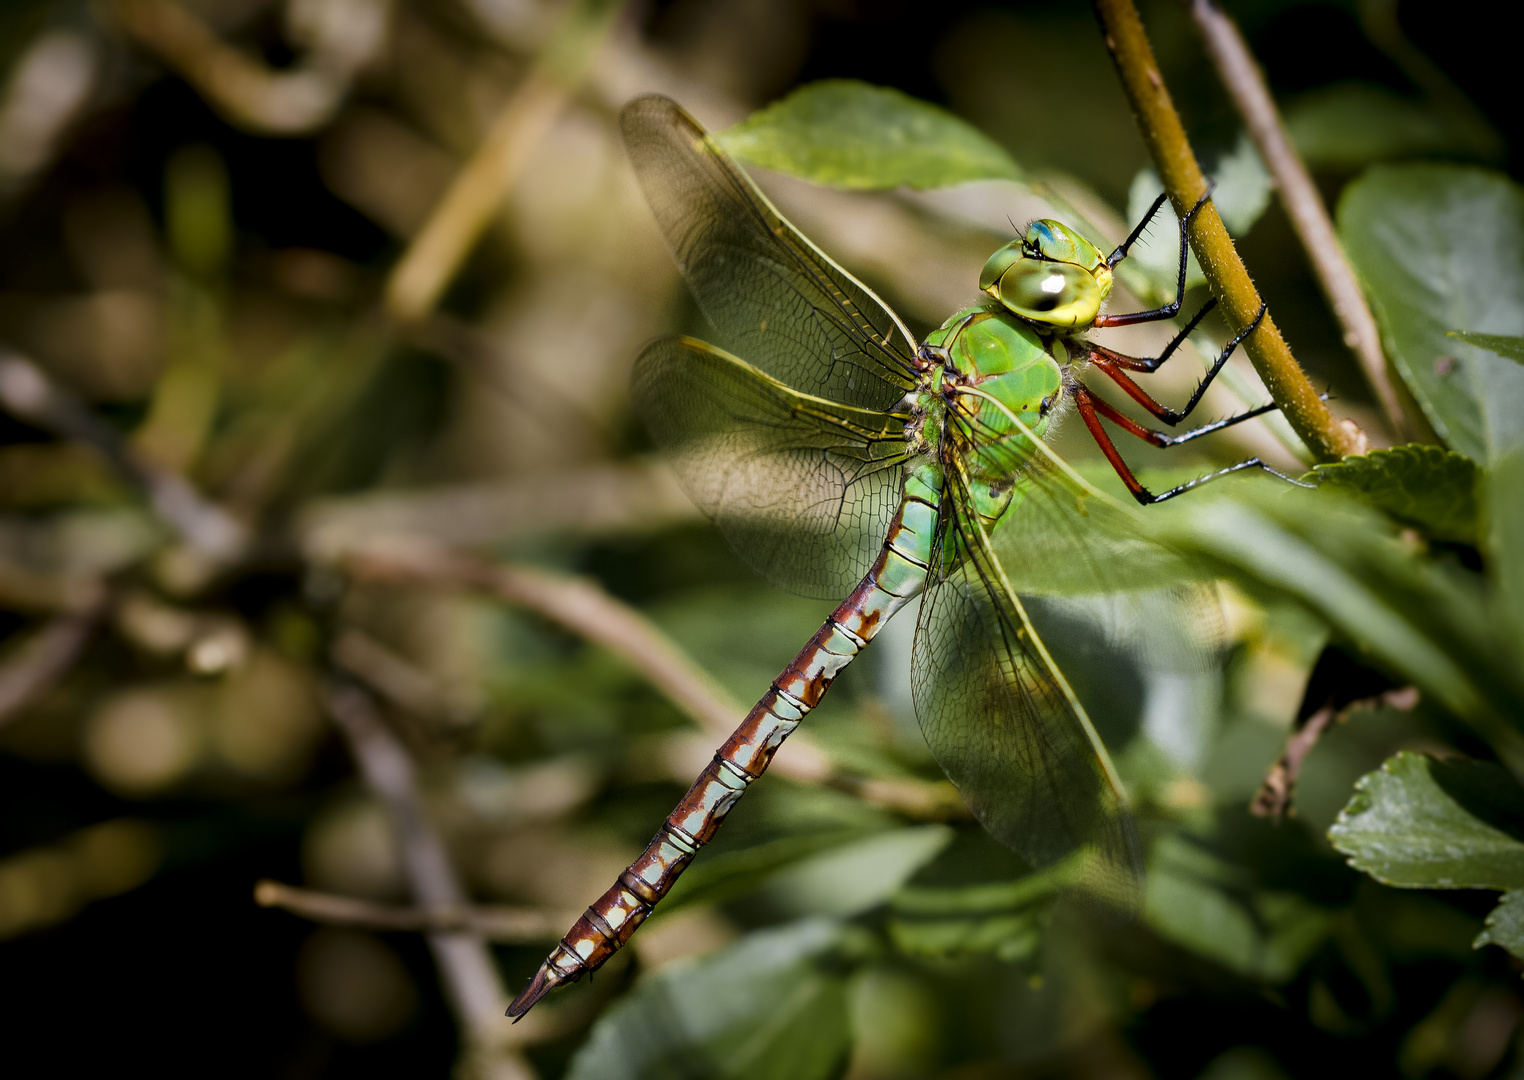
column 1053, row 293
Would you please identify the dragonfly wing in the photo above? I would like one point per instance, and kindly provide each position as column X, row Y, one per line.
column 1008, row 730
column 803, row 488
column 775, row 298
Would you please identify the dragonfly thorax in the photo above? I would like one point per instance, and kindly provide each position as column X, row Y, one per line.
column 1052, row 276
column 994, row 391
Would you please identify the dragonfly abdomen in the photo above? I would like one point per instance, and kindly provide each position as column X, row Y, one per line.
column 897, row 576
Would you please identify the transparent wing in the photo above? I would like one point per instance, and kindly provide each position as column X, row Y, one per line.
column 1060, row 534
column 1006, row 727
column 803, row 488
column 773, row 296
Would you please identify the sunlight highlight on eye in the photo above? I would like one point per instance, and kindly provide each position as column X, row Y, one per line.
column 1053, row 284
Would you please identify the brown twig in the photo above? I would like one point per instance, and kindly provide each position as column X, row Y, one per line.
column 26, row 392
column 1274, row 795
column 507, row 924
column 1164, row 135
column 41, row 660
column 445, row 240
column 1304, row 206
column 471, row 982
column 588, row 611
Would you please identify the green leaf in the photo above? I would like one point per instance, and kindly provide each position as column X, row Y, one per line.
column 1002, row 919
column 855, row 877
column 1425, row 486
column 1425, row 620
column 1505, row 924
column 1511, row 347
column 1504, row 540
column 1418, row 823
column 1194, row 900
column 1350, row 125
column 847, row 134
column 723, row 876
column 773, row 1006
column 1440, row 248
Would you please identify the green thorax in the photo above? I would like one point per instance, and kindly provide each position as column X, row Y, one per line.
column 1001, row 376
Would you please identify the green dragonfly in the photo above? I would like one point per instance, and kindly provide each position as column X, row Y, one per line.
column 839, row 456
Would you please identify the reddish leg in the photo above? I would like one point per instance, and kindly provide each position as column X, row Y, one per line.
column 1092, row 408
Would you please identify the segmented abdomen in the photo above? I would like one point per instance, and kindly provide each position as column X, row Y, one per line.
column 895, row 578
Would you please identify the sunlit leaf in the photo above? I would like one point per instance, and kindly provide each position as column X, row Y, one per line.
column 856, row 877
column 1511, row 347
column 1425, row 486
column 773, row 1005
column 1421, row 823
column 1505, row 924
column 723, row 876
column 1424, row 620
column 1440, row 248
column 848, row 134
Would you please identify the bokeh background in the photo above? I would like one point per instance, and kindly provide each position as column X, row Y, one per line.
column 203, row 206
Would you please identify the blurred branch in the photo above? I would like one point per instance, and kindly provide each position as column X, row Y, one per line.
column 1309, row 217
column 395, row 678
column 33, row 667
column 49, row 84
column 246, row 90
column 470, row 978
column 26, row 392
column 438, row 250
column 1165, row 137
column 507, row 924
column 598, row 499
column 588, row 611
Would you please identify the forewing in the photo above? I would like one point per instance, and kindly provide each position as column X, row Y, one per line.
column 803, row 488
column 775, row 299
column 1006, row 727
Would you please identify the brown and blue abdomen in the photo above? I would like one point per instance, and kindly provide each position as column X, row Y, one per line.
column 898, row 574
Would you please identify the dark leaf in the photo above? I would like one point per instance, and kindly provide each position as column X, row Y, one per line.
column 1428, row 487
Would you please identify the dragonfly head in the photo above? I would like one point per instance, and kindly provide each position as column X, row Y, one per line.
column 1052, row 275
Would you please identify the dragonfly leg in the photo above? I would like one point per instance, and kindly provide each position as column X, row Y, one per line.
column 1112, row 364
column 1171, row 309
column 1092, row 409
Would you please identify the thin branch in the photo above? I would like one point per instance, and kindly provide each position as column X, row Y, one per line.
column 246, row 90
column 1274, row 795
column 436, row 253
column 1304, row 206
column 28, row 393
column 42, row 659
column 506, row 924
column 588, row 611
column 1163, row 133
column 396, row 679
column 470, row 978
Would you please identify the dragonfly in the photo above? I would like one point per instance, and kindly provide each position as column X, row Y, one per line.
column 839, row 456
